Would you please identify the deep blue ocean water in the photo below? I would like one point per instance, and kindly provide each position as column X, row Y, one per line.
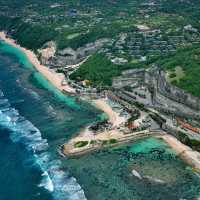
column 35, row 119
column 18, row 177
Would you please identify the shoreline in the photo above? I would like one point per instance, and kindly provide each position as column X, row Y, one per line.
column 55, row 78
column 113, row 117
column 69, row 149
column 190, row 156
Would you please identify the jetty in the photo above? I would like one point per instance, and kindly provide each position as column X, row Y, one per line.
column 83, row 144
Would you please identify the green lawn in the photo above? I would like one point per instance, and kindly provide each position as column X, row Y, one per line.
column 99, row 70
column 185, row 63
column 175, row 75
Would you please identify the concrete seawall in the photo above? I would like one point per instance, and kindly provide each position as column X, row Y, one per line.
column 69, row 150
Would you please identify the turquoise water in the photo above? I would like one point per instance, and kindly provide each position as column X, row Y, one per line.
column 144, row 146
column 35, row 119
column 22, row 59
column 39, row 118
column 107, row 174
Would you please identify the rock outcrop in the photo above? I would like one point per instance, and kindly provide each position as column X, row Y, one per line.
column 165, row 96
column 128, row 78
column 54, row 58
column 156, row 77
column 47, row 52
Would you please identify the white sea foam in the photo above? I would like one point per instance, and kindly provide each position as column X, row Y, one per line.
column 47, row 182
column 34, row 94
column 156, row 180
column 136, row 174
column 55, row 180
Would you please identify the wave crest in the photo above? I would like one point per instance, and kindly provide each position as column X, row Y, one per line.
column 55, row 180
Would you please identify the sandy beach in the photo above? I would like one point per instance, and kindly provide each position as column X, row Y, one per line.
column 86, row 135
column 114, row 117
column 55, row 78
column 190, row 156
column 185, row 152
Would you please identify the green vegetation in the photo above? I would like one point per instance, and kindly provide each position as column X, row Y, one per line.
column 159, row 119
column 112, row 141
column 29, row 36
column 33, row 37
column 128, row 88
column 75, row 23
column 109, row 142
column 93, row 142
column 80, row 144
column 99, row 70
column 91, row 36
column 134, row 116
column 194, row 144
column 69, row 23
column 172, row 75
column 175, row 74
column 139, row 105
column 188, row 60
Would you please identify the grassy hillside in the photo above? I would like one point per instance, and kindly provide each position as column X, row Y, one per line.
column 74, row 23
column 90, row 19
column 184, row 68
column 33, row 22
column 99, row 70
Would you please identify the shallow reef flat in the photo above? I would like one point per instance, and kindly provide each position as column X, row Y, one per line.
column 145, row 169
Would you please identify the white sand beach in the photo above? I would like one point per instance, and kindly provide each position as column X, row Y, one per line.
column 55, row 78
column 190, row 156
column 186, row 153
column 114, row 117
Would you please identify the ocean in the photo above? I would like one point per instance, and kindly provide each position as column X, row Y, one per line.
column 35, row 118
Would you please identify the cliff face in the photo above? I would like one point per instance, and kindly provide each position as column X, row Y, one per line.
column 47, row 52
column 54, row 58
column 128, row 78
column 173, row 92
column 165, row 96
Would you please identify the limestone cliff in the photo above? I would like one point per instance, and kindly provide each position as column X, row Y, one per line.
column 47, row 52
column 54, row 58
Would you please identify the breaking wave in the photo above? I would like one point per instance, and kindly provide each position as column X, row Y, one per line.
column 54, row 179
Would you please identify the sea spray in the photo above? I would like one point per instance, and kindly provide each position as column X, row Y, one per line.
column 55, row 180
column 47, row 182
column 136, row 174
